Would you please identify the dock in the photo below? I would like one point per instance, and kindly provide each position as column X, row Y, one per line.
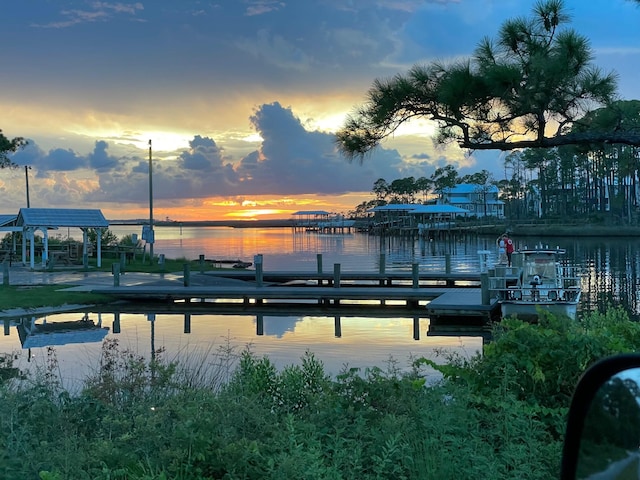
column 446, row 296
column 452, row 279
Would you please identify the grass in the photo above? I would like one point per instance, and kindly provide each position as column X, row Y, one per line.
column 138, row 265
column 34, row 296
column 52, row 295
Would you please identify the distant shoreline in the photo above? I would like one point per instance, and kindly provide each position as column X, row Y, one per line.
column 545, row 230
column 209, row 223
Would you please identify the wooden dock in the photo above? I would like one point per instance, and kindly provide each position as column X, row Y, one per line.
column 445, row 295
column 453, row 279
column 441, row 303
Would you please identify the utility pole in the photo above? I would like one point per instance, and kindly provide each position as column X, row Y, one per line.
column 151, row 234
column 26, row 174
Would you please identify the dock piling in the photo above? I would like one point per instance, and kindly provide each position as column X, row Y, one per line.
column 484, row 288
column 187, row 274
column 187, row 323
column 115, row 269
column 257, row 260
column 336, row 275
column 415, row 275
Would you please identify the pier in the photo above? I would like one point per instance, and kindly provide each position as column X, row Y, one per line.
column 446, row 296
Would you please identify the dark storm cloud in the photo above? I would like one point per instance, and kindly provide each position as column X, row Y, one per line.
column 203, row 155
column 65, row 160
column 100, row 160
column 55, row 160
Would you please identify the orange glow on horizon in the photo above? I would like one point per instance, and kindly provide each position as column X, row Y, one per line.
column 254, row 208
column 252, row 213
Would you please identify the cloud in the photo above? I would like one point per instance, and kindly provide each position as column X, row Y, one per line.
column 99, row 160
column 204, row 155
column 290, row 160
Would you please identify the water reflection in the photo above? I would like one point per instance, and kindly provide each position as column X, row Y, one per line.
column 609, row 266
column 338, row 340
column 35, row 332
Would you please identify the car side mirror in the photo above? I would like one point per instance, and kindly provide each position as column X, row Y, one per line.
column 602, row 438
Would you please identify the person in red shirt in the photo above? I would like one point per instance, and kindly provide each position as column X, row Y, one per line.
column 509, row 248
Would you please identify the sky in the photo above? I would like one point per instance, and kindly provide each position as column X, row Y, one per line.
column 239, row 98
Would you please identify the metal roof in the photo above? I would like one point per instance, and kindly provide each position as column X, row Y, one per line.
column 7, row 220
column 61, row 217
column 395, row 207
column 441, row 208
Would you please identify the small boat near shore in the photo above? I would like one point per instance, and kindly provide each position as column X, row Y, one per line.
column 234, row 263
column 537, row 280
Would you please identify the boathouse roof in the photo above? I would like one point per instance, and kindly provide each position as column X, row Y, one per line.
column 61, row 217
column 441, row 208
column 418, row 208
column 395, row 207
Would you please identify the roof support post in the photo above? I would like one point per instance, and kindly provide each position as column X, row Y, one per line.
column 99, row 247
column 45, row 245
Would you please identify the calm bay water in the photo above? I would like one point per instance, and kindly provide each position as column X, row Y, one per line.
column 610, row 271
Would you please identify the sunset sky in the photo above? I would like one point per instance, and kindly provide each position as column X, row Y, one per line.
column 240, row 98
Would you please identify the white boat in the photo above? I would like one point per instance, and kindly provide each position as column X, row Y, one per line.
column 537, row 280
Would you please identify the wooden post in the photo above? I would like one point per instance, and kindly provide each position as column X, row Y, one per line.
column 447, row 263
column 415, row 275
column 7, row 327
column 484, row 288
column 116, row 322
column 187, row 274
column 337, row 327
column 416, row 328
column 260, row 324
column 336, row 281
column 5, row 273
column 319, row 267
column 201, row 260
column 115, row 268
column 187, row 323
column 257, row 260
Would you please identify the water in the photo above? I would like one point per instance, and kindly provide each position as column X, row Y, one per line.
column 609, row 270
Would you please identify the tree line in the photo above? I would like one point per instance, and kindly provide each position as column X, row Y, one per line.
column 412, row 190
column 598, row 182
column 532, row 90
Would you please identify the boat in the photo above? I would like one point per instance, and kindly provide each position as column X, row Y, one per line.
column 537, row 281
column 234, row 263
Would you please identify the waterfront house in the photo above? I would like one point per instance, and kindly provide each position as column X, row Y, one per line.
column 478, row 200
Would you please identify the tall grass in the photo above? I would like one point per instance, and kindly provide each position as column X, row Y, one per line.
column 226, row 413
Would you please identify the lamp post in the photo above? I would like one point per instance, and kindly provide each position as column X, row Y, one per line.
column 151, row 235
column 26, row 175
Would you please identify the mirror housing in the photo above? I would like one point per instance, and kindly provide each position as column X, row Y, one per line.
column 588, row 387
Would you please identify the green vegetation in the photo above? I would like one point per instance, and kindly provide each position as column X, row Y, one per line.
column 233, row 415
column 34, row 296
column 9, row 146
